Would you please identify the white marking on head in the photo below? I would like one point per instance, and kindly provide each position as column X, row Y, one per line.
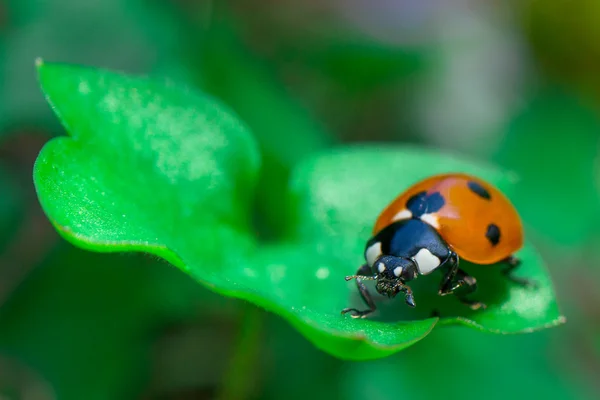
column 323, row 273
column 373, row 253
column 398, row 271
column 404, row 214
column 431, row 219
column 426, row 262
column 381, row 267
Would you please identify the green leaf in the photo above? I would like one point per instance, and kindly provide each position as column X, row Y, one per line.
column 149, row 166
column 337, row 198
column 155, row 168
column 209, row 50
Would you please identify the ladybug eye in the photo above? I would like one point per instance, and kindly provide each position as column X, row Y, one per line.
column 381, row 267
column 398, row 271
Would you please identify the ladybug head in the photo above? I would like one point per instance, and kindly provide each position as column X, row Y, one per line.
column 392, row 273
column 391, row 268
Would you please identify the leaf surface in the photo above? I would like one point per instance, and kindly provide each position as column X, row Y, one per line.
column 157, row 168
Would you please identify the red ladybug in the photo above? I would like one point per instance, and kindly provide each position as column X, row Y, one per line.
column 430, row 227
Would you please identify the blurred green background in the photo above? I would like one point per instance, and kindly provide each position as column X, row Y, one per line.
column 513, row 82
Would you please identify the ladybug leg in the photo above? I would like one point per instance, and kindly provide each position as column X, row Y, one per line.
column 513, row 262
column 456, row 278
column 364, row 272
column 451, row 263
column 470, row 285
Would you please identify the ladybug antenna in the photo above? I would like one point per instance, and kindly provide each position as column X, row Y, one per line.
column 365, row 277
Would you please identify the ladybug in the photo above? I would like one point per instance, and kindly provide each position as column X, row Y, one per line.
column 430, row 227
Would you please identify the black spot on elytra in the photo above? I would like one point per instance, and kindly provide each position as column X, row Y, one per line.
column 422, row 203
column 435, row 201
column 493, row 234
column 417, row 204
column 479, row 190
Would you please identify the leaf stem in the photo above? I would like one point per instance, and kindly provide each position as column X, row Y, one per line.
column 239, row 378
